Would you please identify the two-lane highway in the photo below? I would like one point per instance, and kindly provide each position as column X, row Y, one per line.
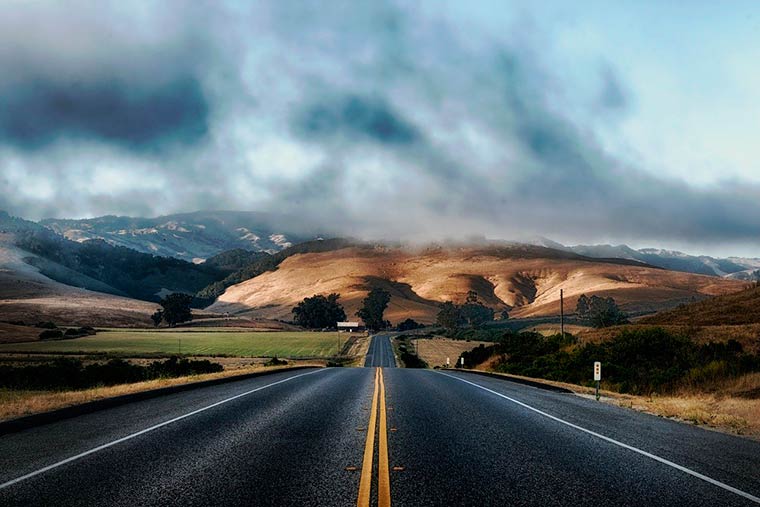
column 380, row 352
column 375, row 436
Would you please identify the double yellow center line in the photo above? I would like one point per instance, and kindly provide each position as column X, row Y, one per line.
column 383, row 471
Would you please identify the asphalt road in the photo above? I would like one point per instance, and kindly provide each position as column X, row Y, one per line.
column 447, row 438
column 380, row 352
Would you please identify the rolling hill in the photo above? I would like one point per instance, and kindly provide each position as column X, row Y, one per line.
column 27, row 295
column 100, row 266
column 523, row 279
column 189, row 236
column 739, row 308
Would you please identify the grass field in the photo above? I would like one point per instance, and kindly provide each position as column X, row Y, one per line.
column 196, row 343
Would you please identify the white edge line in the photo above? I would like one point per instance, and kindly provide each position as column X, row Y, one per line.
column 142, row 432
column 705, row 478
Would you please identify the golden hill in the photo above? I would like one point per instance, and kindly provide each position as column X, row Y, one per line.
column 739, row 308
column 525, row 280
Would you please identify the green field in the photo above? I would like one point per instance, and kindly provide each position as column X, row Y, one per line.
column 197, row 343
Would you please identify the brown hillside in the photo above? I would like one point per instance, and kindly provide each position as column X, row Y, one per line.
column 729, row 309
column 27, row 295
column 524, row 280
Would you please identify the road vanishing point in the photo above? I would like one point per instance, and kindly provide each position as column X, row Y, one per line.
column 377, row 435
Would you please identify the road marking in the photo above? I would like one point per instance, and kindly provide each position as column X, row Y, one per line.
column 146, row 430
column 365, row 483
column 383, row 475
column 664, row 461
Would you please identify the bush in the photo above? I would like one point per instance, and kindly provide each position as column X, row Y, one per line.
column 275, row 362
column 637, row 361
column 410, row 325
column 51, row 334
column 46, row 325
column 65, row 373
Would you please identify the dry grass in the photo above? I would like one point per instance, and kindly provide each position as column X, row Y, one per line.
column 358, row 349
column 748, row 335
column 527, row 281
column 729, row 409
column 10, row 333
column 15, row 404
column 550, row 329
column 729, row 309
column 435, row 351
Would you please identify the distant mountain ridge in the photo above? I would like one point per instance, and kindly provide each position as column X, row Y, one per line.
column 737, row 268
column 192, row 236
column 200, row 235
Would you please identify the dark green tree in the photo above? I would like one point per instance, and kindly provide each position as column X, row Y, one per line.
column 474, row 312
column 157, row 317
column 319, row 312
column 409, row 325
column 176, row 308
column 599, row 312
column 449, row 316
column 373, row 307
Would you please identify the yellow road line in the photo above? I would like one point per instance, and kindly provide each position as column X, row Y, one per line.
column 383, row 474
column 365, row 484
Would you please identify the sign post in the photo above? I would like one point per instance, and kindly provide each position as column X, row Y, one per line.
column 597, row 376
column 461, row 359
column 448, row 362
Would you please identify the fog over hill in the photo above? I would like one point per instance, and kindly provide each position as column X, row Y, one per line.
column 202, row 234
column 190, row 236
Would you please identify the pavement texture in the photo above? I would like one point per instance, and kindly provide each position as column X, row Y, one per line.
column 299, row 438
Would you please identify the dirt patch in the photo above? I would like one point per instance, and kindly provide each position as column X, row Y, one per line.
column 434, row 351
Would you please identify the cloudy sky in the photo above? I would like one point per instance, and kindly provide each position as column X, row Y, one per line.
column 581, row 121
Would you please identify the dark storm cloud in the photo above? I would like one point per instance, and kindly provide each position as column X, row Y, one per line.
column 354, row 116
column 136, row 115
column 385, row 121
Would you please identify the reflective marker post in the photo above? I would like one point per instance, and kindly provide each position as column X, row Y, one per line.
column 597, row 376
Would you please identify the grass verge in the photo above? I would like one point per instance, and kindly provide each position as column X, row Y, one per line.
column 728, row 409
column 189, row 343
column 15, row 403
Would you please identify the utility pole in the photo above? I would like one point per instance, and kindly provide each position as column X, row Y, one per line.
column 562, row 312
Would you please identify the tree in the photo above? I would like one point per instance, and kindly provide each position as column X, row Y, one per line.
column 504, row 314
column 449, row 316
column 157, row 317
column 474, row 312
column 599, row 312
column 409, row 325
column 373, row 307
column 319, row 311
column 176, row 308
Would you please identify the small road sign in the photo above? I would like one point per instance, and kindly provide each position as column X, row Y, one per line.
column 597, row 376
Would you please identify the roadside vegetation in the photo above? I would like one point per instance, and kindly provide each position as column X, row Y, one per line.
column 407, row 352
column 69, row 373
column 19, row 402
column 637, row 361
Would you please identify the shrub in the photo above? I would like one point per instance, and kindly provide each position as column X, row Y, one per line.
column 275, row 362
column 51, row 334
